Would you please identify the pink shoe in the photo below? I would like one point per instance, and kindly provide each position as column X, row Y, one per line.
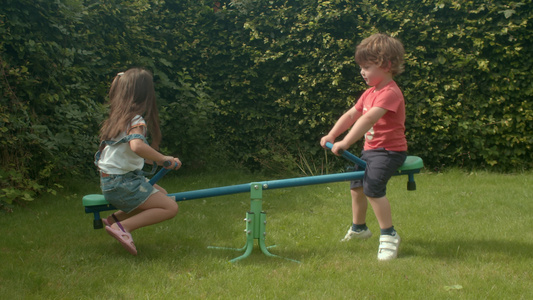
column 123, row 237
column 106, row 220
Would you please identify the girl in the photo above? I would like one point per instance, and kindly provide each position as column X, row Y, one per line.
column 123, row 152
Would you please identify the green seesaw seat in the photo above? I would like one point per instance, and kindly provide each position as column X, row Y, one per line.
column 94, row 200
column 412, row 163
column 95, row 203
column 411, row 166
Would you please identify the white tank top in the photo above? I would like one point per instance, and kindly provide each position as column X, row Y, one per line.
column 119, row 159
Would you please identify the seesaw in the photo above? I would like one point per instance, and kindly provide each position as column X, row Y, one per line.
column 256, row 217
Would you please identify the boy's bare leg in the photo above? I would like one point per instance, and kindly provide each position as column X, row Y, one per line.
column 382, row 210
column 359, row 206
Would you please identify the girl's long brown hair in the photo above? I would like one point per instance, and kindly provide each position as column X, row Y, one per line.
column 132, row 93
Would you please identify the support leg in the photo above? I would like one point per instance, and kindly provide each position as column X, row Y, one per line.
column 262, row 237
column 411, row 184
column 97, row 222
column 249, row 246
column 255, row 226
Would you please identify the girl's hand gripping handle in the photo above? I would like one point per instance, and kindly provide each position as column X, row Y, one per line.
column 167, row 167
column 167, row 164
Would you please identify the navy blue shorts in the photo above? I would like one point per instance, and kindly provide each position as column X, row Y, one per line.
column 381, row 164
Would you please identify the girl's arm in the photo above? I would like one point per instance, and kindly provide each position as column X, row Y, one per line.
column 145, row 151
column 344, row 122
column 362, row 126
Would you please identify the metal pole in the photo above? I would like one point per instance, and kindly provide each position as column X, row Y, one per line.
column 267, row 185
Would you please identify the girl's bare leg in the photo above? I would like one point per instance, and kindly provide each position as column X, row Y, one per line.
column 159, row 207
column 120, row 215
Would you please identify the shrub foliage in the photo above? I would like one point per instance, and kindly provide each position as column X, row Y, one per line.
column 259, row 82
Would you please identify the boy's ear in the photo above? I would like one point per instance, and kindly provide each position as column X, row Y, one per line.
column 387, row 66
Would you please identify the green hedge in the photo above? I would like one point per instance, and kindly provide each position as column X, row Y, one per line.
column 466, row 81
column 259, row 82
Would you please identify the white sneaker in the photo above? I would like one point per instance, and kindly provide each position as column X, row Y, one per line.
column 388, row 247
column 361, row 235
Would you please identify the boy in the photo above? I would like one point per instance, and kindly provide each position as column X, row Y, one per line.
column 379, row 116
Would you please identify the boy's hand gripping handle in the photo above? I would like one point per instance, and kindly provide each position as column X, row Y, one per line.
column 349, row 156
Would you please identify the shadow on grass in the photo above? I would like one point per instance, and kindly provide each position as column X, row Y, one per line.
column 462, row 248
column 185, row 249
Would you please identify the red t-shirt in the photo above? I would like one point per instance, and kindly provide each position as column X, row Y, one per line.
column 389, row 130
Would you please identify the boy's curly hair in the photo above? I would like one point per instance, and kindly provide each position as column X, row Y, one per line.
column 380, row 49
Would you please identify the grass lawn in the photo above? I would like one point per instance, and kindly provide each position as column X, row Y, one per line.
column 464, row 236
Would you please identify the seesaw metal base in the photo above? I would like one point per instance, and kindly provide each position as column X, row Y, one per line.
column 255, row 226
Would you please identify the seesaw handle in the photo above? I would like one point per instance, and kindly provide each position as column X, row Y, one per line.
column 349, row 156
column 161, row 172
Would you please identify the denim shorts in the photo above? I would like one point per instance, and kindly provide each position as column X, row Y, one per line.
column 381, row 164
column 128, row 191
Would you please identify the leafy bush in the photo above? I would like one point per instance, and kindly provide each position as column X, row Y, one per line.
column 465, row 81
column 44, row 89
column 259, row 82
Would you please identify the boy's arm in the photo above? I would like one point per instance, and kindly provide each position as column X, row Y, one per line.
column 344, row 122
column 362, row 126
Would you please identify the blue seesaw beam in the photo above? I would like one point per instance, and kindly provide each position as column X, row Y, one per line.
column 96, row 203
column 412, row 165
column 267, row 185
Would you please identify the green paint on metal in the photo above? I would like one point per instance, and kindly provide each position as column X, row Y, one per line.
column 255, row 226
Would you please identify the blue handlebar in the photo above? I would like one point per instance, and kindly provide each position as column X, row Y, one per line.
column 349, row 156
column 161, row 172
